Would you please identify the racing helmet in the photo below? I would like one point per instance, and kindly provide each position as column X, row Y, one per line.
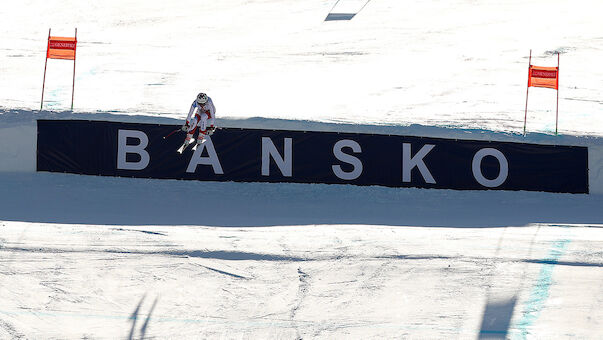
column 202, row 98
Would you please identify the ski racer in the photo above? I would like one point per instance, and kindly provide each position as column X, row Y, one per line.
column 202, row 117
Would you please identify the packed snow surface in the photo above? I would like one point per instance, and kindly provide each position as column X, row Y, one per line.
column 85, row 257
column 459, row 63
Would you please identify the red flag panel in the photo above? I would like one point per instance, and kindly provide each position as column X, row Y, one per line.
column 540, row 76
column 61, row 48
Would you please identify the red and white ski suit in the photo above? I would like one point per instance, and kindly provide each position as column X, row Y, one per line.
column 200, row 117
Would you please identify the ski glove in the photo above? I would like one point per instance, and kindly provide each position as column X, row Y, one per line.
column 185, row 127
column 211, row 130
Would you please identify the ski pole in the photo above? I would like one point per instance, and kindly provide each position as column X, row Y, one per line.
column 171, row 133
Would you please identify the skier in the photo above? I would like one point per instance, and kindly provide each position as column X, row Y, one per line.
column 201, row 116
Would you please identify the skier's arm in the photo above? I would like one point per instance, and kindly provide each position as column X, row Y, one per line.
column 190, row 113
column 211, row 115
column 211, row 109
column 188, row 118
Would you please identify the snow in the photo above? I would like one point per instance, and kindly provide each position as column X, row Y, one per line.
column 461, row 64
column 103, row 258
column 309, row 281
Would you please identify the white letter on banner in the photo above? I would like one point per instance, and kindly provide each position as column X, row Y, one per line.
column 285, row 164
column 477, row 168
column 212, row 160
column 340, row 155
column 123, row 148
column 408, row 163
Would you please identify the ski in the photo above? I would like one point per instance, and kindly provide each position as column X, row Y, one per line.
column 197, row 144
column 185, row 144
column 183, row 147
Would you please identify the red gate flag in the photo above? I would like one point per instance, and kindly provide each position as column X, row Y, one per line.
column 544, row 77
column 60, row 48
column 541, row 76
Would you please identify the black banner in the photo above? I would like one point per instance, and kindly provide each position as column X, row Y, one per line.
column 253, row 155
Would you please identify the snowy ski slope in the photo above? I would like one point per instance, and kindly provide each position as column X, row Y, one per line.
column 106, row 258
column 462, row 63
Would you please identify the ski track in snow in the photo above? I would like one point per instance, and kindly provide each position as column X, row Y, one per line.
column 11, row 332
column 332, row 292
column 84, row 257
